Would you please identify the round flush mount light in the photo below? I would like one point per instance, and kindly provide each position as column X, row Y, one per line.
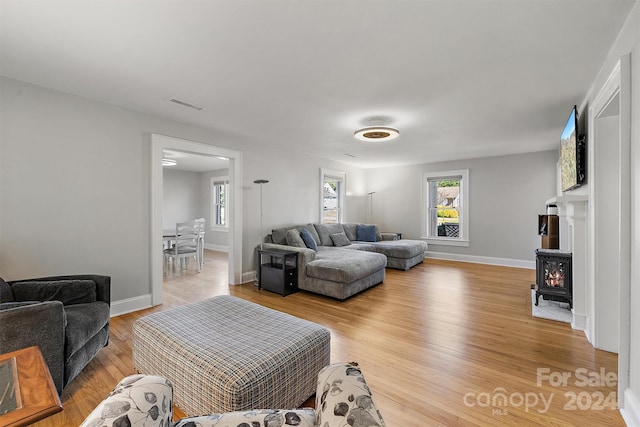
column 169, row 162
column 377, row 133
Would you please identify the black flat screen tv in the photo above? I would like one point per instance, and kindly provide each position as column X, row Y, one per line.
column 572, row 154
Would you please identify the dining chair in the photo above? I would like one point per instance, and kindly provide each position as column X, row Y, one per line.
column 186, row 244
column 200, row 224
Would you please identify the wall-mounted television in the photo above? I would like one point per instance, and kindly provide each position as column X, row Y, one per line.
column 572, row 153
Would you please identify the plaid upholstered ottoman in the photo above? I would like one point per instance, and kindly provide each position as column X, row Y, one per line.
column 226, row 354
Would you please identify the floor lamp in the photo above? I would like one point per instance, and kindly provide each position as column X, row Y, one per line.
column 260, row 181
column 371, row 205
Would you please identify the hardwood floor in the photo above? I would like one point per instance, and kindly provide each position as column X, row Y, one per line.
column 438, row 345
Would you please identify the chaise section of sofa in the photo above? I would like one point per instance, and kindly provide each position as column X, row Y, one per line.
column 347, row 258
column 341, row 273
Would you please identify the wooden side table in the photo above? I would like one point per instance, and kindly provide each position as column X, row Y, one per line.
column 28, row 393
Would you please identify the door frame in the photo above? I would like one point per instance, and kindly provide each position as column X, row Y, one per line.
column 617, row 85
column 162, row 142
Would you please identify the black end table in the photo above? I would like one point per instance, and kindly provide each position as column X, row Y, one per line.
column 278, row 271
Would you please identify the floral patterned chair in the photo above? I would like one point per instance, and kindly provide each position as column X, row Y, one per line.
column 342, row 399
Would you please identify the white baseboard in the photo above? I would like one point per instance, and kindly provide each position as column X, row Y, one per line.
column 214, row 247
column 130, row 305
column 580, row 323
column 505, row 262
column 631, row 410
column 249, row 276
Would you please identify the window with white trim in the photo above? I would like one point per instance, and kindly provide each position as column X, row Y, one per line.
column 219, row 191
column 332, row 193
column 446, row 207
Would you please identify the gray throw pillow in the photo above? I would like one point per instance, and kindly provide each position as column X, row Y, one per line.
column 294, row 239
column 340, row 239
column 279, row 236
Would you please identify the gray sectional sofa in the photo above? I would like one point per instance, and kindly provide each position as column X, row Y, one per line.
column 340, row 260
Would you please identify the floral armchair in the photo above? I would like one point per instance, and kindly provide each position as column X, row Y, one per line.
column 342, row 399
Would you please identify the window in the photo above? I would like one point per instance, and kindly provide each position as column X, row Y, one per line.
column 219, row 190
column 332, row 196
column 446, row 207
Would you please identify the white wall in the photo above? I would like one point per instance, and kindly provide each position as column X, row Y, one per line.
column 506, row 195
column 292, row 195
column 75, row 193
column 182, row 197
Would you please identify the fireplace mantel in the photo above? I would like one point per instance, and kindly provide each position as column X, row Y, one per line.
column 568, row 198
column 573, row 238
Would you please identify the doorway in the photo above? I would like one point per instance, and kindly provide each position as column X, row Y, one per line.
column 162, row 143
column 610, row 211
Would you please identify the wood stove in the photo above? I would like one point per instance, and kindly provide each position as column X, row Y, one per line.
column 553, row 276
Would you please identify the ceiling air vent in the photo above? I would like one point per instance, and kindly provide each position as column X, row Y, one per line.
column 185, row 104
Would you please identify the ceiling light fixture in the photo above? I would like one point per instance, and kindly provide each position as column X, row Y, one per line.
column 377, row 132
column 169, row 162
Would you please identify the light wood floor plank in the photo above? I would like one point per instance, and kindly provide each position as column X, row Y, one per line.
column 432, row 343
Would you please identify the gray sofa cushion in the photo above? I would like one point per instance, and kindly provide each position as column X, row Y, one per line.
column 350, row 230
column 13, row 304
column 83, row 322
column 335, row 265
column 294, row 239
column 362, row 246
column 326, row 230
column 6, row 294
column 68, row 291
column 279, row 235
column 401, row 248
column 340, row 239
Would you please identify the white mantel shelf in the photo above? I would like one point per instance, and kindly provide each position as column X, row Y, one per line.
column 569, row 198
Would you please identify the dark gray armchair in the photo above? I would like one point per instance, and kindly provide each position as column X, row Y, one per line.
column 66, row 316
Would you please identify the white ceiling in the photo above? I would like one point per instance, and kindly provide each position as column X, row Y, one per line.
column 460, row 79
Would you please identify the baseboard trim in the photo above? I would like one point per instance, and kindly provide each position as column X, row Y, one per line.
column 130, row 305
column 505, row 262
column 249, row 276
column 580, row 323
column 214, row 247
column 631, row 411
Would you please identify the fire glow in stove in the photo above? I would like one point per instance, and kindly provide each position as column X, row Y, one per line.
column 553, row 276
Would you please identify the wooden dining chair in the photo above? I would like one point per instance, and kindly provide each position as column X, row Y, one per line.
column 186, row 245
column 200, row 224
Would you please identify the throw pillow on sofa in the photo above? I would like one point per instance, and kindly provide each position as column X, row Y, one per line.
column 308, row 240
column 326, row 230
column 340, row 239
column 294, row 239
column 366, row 233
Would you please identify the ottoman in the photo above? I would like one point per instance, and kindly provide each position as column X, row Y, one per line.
column 226, row 354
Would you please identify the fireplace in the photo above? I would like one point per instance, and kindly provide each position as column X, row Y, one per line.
column 553, row 276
